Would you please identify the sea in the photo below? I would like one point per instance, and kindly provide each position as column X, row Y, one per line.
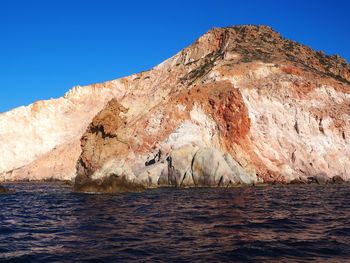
column 47, row 222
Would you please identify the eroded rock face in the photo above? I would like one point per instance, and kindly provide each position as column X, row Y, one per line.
column 245, row 106
column 171, row 154
column 104, row 136
column 42, row 141
column 269, row 109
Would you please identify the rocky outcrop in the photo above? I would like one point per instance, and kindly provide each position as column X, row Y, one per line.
column 171, row 152
column 42, row 140
column 246, row 106
column 241, row 105
column 108, row 184
column 4, row 190
column 105, row 137
column 180, row 166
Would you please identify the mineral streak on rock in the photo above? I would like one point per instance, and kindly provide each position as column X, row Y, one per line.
column 241, row 105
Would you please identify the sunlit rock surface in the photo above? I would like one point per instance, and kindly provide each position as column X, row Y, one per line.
column 42, row 140
column 241, row 105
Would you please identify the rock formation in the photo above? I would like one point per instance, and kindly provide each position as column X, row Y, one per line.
column 241, row 105
column 42, row 140
column 4, row 190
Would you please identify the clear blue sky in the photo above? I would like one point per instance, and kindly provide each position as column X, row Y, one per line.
column 48, row 46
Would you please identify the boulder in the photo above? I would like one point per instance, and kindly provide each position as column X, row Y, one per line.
column 338, row 179
column 4, row 190
column 179, row 166
column 110, row 184
column 320, row 178
column 115, row 167
column 114, row 177
column 298, row 180
column 209, row 168
column 151, row 174
column 241, row 175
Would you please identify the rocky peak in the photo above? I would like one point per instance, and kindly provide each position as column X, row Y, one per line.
column 262, row 43
column 219, row 107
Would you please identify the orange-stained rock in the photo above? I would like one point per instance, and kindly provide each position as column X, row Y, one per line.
column 103, row 139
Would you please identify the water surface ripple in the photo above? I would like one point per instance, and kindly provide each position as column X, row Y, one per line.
column 46, row 222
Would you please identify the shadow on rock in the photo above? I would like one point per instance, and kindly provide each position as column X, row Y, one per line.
column 4, row 190
column 111, row 184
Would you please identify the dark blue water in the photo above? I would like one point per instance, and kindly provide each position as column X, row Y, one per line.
column 49, row 223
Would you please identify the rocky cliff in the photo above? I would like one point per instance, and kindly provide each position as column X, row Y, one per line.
column 238, row 106
column 42, row 140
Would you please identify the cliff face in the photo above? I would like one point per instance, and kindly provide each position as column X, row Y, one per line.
column 239, row 105
column 42, row 140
